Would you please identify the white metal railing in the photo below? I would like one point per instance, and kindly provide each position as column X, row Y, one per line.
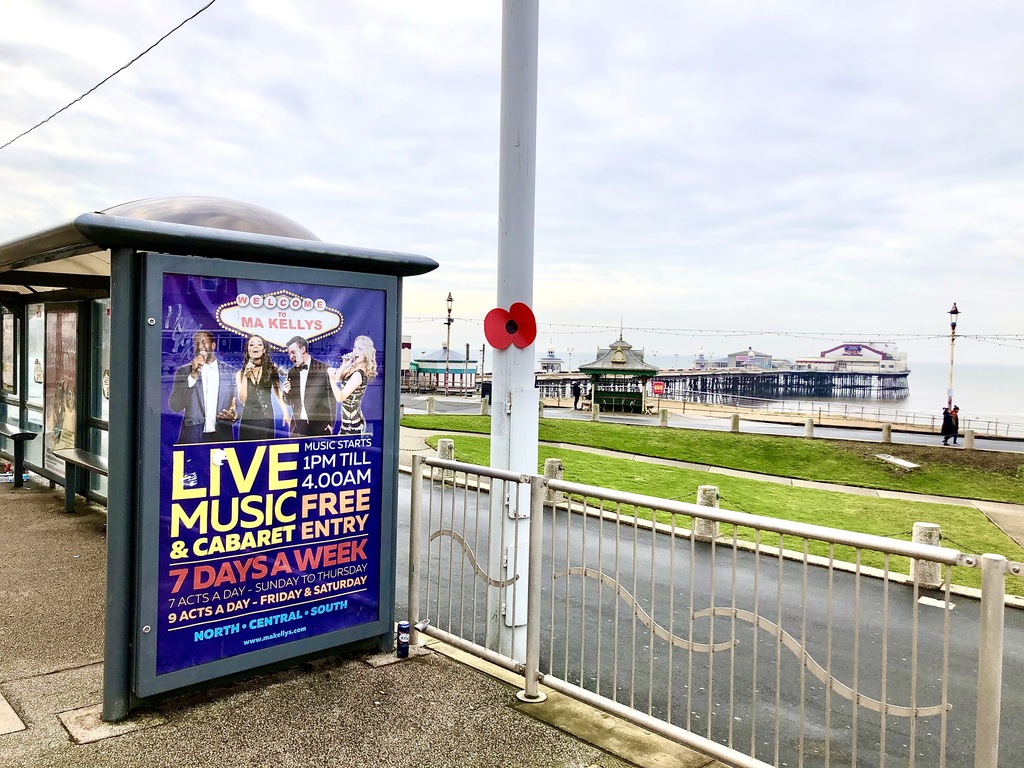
column 817, row 409
column 770, row 643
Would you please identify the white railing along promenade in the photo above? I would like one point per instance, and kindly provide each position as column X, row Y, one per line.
column 754, row 640
column 752, row 407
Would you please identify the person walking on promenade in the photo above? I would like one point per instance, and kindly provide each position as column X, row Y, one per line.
column 575, row 395
column 955, row 416
column 947, row 430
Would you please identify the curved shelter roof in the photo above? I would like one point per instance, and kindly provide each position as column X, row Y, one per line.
column 71, row 261
column 619, row 360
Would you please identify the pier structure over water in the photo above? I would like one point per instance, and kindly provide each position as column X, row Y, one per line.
column 729, row 386
column 717, row 386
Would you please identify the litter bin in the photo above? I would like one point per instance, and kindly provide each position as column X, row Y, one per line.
column 485, row 391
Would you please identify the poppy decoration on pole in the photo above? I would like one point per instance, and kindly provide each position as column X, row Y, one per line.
column 515, row 325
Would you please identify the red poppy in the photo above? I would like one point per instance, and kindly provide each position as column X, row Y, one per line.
column 515, row 325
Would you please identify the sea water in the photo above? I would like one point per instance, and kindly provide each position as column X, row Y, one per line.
column 984, row 392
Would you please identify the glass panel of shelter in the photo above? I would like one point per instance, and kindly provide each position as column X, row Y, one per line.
column 50, row 397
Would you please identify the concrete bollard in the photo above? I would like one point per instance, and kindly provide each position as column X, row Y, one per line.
column 431, row 406
column 485, row 407
column 887, row 433
column 553, row 471
column 809, row 428
column 704, row 529
column 540, row 409
column 663, row 417
column 926, row 573
column 735, row 423
column 401, row 410
column 595, row 412
column 445, row 451
column 968, row 439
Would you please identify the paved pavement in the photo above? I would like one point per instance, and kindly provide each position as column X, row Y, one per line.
column 436, row 709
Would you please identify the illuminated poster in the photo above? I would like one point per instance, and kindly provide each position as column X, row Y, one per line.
column 36, row 353
column 10, row 372
column 271, row 447
column 59, row 382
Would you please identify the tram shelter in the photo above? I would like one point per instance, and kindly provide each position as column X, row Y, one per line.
column 97, row 322
column 618, row 378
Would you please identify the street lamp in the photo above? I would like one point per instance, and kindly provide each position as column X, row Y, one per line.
column 448, row 344
column 952, row 341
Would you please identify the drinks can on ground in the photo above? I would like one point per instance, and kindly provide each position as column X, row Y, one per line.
column 402, row 644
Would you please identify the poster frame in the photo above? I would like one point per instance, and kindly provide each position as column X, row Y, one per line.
column 146, row 682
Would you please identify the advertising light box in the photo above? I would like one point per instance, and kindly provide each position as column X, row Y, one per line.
column 268, row 502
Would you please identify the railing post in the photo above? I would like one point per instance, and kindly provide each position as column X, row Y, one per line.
column 990, row 661
column 704, row 529
column 553, row 471
column 531, row 672
column 415, row 542
column 445, row 451
column 925, row 572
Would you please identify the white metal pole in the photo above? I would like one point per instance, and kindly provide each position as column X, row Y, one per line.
column 990, row 661
column 514, row 423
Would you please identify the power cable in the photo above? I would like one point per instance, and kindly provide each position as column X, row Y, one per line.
column 108, row 77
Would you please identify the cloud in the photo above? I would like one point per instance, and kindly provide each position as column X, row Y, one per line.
column 794, row 167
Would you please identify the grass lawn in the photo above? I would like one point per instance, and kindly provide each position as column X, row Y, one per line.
column 986, row 475
column 964, row 528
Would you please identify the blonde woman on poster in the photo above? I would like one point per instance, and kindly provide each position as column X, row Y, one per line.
column 348, row 382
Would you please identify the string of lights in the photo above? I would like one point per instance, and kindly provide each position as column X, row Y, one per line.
column 570, row 329
column 105, row 79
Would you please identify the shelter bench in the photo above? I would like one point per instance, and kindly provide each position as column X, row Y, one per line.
column 19, row 437
column 74, row 460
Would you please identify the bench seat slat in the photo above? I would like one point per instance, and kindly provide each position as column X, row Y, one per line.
column 84, row 459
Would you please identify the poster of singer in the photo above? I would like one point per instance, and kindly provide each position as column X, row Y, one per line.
column 271, row 450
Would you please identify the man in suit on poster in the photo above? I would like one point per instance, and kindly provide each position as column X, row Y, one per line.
column 205, row 391
column 307, row 391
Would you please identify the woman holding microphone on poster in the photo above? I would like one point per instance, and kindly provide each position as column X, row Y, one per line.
column 358, row 368
column 258, row 388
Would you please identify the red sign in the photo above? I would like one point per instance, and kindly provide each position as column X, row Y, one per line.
column 657, row 387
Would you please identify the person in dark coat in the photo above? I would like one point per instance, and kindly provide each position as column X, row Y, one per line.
column 955, row 416
column 575, row 395
column 308, row 392
column 948, row 429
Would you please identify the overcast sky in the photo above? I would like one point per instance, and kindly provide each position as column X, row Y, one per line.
column 830, row 169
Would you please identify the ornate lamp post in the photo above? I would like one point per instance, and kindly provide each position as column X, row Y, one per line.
column 448, row 344
column 952, row 341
